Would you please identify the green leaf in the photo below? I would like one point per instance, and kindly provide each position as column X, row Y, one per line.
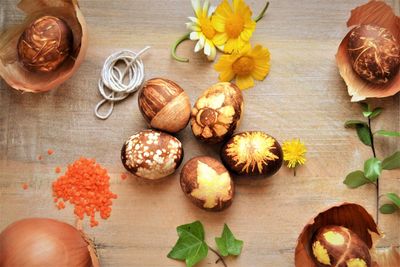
column 392, row 162
column 388, row 208
column 364, row 134
column 356, row 179
column 195, row 228
column 190, row 246
column 353, row 123
column 375, row 113
column 388, row 133
column 367, row 113
column 228, row 244
column 365, row 107
column 372, row 169
column 394, row 198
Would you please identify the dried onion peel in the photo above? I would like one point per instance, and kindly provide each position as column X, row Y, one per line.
column 355, row 218
column 376, row 13
column 45, row 242
column 11, row 69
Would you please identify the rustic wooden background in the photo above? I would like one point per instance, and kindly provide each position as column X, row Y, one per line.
column 303, row 96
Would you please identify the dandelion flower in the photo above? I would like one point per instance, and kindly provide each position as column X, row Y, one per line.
column 233, row 24
column 294, row 153
column 202, row 29
column 247, row 65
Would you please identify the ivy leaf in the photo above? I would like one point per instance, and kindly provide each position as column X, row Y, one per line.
column 392, row 162
column 394, row 198
column 228, row 244
column 364, row 134
column 388, row 133
column 388, row 208
column 375, row 113
column 356, row 179
column 353, row 123
column 190, row 246
column 372, row 169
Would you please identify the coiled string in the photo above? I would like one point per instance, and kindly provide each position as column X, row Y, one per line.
column 111, row 84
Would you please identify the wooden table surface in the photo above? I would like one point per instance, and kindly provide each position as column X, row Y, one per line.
column 303, row 97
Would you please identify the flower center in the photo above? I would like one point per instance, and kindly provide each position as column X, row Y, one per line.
column 234, row 25
column 207, row 117
column 243, row 66
column 206, row 28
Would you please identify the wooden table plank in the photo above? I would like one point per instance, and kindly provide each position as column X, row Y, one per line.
column 303, row 97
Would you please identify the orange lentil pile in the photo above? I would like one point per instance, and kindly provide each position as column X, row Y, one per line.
column 86, row 185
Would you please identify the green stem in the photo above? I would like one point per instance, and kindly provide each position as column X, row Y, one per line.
column 220, row 258
column 175, row 46
column 377, row 181
column 262, row 12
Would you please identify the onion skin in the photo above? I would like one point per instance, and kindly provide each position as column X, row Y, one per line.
column 42, row 242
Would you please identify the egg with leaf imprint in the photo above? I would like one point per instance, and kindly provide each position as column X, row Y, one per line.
column 217, row 112
column 207, row 183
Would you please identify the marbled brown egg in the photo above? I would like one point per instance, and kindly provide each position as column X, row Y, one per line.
column 217, row 112
column 152, row 154
column 375, row 53
column 45, row 44
column 207, row 183
column 164, row 105
column 337, row 246
column 252, row 153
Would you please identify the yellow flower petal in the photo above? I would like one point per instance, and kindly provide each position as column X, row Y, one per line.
column 206, row 6
column 260, row 73
column 220, row 38
column 194, row 36
column 211, row 57
column 196, row 7
column 200, row 44
column 226, row 76
column 244, row 82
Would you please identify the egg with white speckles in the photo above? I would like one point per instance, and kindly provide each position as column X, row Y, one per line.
column 152, row 154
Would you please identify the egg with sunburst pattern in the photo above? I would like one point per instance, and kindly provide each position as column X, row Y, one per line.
column 252, row 153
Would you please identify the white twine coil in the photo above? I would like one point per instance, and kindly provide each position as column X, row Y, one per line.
column 111, row 83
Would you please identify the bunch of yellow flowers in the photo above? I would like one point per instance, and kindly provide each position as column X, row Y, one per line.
column 229, row 27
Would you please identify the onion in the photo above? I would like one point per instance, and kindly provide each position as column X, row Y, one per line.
column 41, row 242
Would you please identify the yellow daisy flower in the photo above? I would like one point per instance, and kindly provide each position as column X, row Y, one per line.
column 247, row 65
column 233, row 24
column 202, row 29
column 294, row 153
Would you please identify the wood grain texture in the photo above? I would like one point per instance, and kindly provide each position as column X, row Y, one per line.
column 303, row 96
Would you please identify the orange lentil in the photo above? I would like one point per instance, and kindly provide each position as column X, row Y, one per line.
column 50, row 151
column 124, row 176
column 60, row 205
column 86, row 185
column 24, row 186
column 58, row 169
column 39, row 157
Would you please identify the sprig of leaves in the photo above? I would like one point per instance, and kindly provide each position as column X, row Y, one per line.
column 373, row 166
column 192, row 248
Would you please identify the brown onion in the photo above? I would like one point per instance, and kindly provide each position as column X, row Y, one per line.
column 22, row 78
column 45, row 242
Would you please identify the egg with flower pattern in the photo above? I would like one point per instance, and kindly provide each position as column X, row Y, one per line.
column 217, row 112
column 252, row 153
